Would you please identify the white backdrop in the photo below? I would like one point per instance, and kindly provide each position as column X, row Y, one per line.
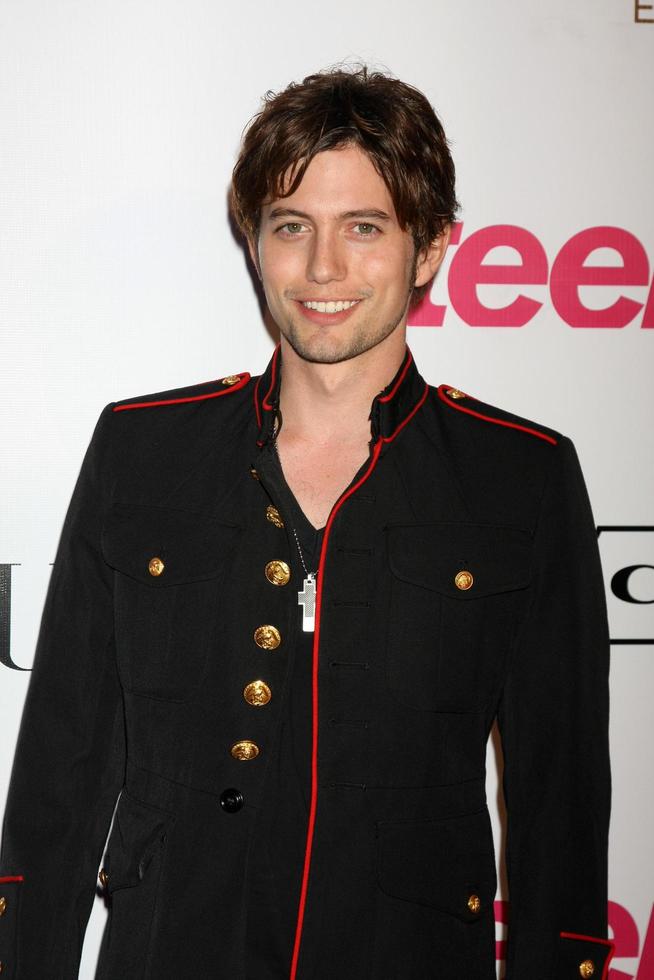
column 119, row 124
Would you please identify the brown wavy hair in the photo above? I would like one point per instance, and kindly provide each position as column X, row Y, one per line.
column 391, row 121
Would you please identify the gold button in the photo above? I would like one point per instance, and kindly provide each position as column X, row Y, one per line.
column 253, row 473
column 104, row 877
column 586, row 969
column 273, row 515
column 245, row 750
column 463, row 580
column 277, row 572
column 231, row 379
column 267, row 637
column 474, row 903
column 3, row 905
column 155, row 566
column 455, row 393
column 257, row 693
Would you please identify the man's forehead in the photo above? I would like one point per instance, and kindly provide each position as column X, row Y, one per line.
column 343, row 181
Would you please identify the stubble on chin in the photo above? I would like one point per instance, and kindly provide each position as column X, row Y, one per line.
column 318, row 349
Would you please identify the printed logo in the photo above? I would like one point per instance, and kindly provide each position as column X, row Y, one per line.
column 643, row 12
column 577, row 281
column 5, row 617
column 627, row 553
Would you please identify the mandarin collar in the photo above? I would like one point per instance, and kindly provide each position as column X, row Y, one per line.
column 391, row 409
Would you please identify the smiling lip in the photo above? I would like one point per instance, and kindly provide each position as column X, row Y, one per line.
column 326, row 312
column 329, row 305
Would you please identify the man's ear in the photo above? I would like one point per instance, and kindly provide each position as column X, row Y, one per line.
column 430, row 258
column 254, row 255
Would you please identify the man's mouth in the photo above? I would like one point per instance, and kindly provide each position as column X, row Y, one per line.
column 331, row 306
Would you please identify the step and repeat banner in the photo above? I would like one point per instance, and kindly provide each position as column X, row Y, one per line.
column 120, row 273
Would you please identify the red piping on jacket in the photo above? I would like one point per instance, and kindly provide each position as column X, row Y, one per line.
column 273, row 379
column 488, row 418
column 265, row 402
column 244, row 376
column 401, row 378
column 314, row 737
column 10, row 878
column 413, row 411
column 594, row 939
column 256, row 402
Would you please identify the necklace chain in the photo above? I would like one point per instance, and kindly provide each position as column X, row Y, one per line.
column 299, row 549
column 295, row 534
column 306, row 598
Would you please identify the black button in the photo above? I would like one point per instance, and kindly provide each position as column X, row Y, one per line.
column 231, row 800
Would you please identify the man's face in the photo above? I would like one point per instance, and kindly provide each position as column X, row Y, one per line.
column 336, row 267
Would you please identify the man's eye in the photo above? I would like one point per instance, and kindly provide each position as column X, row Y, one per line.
column 365, row 229
column 292, row 227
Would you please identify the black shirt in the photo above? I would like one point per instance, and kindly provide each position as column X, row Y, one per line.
column 277, row 858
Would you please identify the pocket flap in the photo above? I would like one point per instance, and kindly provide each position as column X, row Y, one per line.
column 138, row 832
column 580, row 955
column 431, row 555
column 445, row 864
column 189, row 547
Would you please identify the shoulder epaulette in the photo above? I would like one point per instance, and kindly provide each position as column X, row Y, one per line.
column 233, row 382
column 453, row 397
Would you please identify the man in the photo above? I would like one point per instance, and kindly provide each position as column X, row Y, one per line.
column 286, row 611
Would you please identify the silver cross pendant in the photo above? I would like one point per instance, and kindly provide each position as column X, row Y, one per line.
column 307, row 600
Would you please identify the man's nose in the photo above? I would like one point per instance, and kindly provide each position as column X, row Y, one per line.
column 326, row 258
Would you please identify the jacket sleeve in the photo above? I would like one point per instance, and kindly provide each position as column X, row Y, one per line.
column 69, row 763
column 553, row 720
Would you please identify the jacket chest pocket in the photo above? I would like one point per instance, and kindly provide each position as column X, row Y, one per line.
column 454, row 595
column 169, row 571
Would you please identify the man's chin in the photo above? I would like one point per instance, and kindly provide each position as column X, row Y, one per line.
column 319, row 350
column 325, row 347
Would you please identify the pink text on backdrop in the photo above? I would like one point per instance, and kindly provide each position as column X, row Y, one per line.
column 569, row 272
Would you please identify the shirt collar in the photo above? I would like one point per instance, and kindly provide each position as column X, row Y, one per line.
column 391, row 409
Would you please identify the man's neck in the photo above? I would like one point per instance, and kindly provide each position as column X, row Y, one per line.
column 327, row 402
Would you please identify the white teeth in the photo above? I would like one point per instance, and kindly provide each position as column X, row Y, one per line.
column 332, row 306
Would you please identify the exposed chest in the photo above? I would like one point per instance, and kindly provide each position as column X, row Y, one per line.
column 318, row 476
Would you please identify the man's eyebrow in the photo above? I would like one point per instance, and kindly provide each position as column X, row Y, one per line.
column 359, row 213
column 368, row 213
column 286, row 213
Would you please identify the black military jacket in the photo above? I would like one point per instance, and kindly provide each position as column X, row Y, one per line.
column 459, row 581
